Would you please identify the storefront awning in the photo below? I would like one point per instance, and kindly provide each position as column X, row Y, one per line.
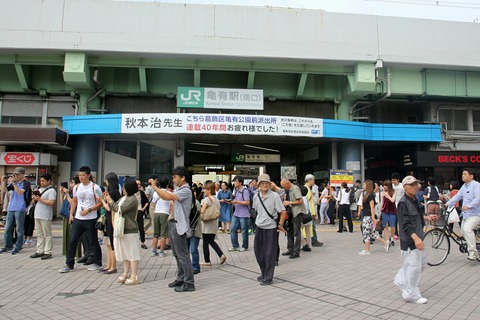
column 32, row 135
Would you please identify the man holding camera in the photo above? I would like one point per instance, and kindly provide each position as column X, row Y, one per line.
column 17, row 207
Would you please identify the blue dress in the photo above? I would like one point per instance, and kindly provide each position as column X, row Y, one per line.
column 225, row 208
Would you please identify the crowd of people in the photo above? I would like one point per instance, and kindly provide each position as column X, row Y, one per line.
column 183, row 214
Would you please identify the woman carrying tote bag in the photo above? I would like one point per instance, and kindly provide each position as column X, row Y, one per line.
column 126, row 243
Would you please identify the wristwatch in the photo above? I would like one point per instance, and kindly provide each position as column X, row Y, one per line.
column 89, row 209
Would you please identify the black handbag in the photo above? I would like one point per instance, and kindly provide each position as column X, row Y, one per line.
column 100, row 224
column 306, row 217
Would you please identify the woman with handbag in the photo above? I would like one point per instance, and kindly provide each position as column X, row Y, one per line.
column 126, row 233
column 111, row 180
column 209, row 214
column 369, row 219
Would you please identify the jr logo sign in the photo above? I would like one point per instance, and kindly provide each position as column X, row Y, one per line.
column 190, row 97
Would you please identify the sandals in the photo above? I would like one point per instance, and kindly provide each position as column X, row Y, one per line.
column 132, row 281
column 123, row 278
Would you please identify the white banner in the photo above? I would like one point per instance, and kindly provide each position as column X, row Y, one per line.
column 221, row 124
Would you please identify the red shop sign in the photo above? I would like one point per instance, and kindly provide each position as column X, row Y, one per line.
column 12, row 158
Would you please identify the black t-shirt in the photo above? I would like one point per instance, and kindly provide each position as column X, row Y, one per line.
column 366, row 204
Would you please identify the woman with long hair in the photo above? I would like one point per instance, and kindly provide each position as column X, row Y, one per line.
column 389, row 211
column 67, row 194
column 369, row 219
column 209, row 228
column 111, row 179
column 127, row 246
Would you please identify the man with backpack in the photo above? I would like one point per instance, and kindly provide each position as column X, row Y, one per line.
column 179, row 228
column 17, row 208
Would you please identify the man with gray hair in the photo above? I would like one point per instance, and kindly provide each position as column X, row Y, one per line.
column 411, row 223
column 294, row 204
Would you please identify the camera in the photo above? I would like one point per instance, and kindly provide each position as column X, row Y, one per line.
column 36, row 193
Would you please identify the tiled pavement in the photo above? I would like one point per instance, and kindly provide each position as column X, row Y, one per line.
column 329, row 282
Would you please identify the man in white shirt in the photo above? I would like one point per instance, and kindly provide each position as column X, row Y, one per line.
column 45, row 199
column 83, row 214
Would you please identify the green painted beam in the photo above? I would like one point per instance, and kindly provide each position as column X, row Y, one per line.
column 196, row 77
column 23, row 73
column 301, row 84
column 251, row 79
column 143, row 79
column 226, row 65
column 46, row 60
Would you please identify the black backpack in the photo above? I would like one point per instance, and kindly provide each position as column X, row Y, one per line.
column 194, row 214
column 27, row 195
column 433, row 193
column 351, row 195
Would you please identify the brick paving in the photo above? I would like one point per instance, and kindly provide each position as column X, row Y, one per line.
column 330, row 282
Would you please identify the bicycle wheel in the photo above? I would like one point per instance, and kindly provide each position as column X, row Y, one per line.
column 477, row 240
column 437, row 246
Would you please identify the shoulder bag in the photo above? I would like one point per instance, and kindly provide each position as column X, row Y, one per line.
column 119, row 223
column 211, row 213
column 271, row 217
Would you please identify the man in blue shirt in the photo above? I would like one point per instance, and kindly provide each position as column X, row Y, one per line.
column 17, row 207
column 469, row 193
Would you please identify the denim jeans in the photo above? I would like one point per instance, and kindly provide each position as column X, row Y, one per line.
column 193, row 243
column 18, row 218
column 241, row 223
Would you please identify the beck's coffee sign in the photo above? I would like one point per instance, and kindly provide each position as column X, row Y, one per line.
column 448, row 159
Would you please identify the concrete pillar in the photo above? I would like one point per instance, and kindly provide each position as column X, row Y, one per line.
column 343, row 112
column 351, row 152
column 85, row 153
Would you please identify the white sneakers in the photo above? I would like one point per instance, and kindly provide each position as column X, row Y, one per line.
column 421, row 300
column 363, row 252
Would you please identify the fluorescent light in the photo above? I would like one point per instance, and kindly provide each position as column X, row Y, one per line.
column 200, row 151
column 206, row 144
column 260, row 148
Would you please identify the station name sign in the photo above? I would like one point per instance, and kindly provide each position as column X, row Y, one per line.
column 448, row 159
column 233, row 124
column 219, row 98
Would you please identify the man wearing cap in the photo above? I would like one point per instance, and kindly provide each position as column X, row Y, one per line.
column 469, row 193
column 269, row 207
column 17, row 207
column 411, row 223
column 294, row 200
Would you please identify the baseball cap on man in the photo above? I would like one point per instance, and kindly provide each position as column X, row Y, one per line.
column 264, row 178
column 19, row 170
column 409, row 180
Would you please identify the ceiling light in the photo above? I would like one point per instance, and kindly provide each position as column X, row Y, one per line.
column 260, row 148
column 206, row 144
column 272, row 98
column 170, row 95
column 200, row 151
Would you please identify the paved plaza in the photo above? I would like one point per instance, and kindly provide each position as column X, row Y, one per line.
column 330, row 282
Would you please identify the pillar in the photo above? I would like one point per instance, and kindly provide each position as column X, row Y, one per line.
column 85, row 153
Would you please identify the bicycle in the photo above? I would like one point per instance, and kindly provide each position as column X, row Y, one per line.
column 437, row 241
